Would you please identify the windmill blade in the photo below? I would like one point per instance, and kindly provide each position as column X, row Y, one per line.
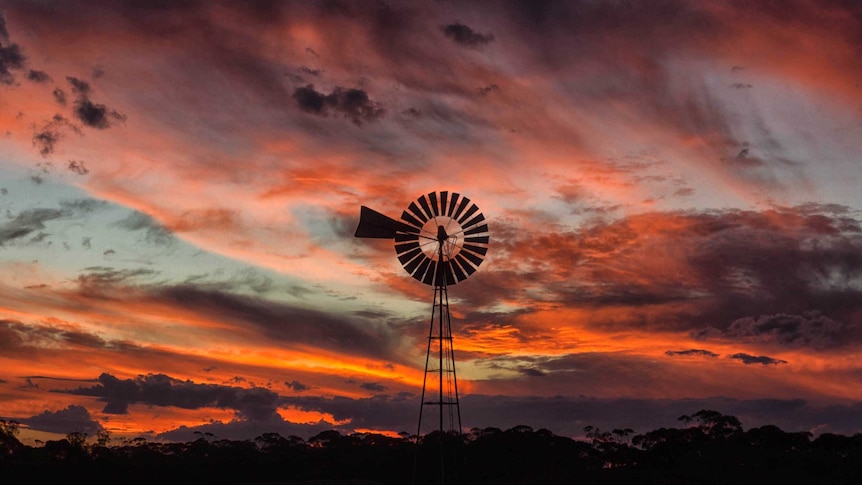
column 447, row 273
column 472, row 222
column 472, row 210
column 476, row 249
column 477, row 230
column 443, row 197
column 431, row 274
column 373, row 224
column 456, row 268
column 419, row 274
column 461, row 206
column 424, row 203
column 477, row 239
column 411, row 265
column 401, row 237
column 453, row 203
column 405, row 216
column 406, row 256
column 472, row 257
column 418, row 213
column 434, row 208
column 404, row 247
column 467, row 267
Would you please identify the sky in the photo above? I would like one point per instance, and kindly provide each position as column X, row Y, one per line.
column 671, row 187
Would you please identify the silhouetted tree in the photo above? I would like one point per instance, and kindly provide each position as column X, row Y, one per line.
column 709, row 447
column 9, row 444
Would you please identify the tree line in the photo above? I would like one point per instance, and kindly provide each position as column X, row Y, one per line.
column 708, row 447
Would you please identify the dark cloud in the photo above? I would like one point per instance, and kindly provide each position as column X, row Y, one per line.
column 97, row 115
column 38, row 76
column 746, row 160
column 308, row 70
column 38, row 238
column 92, row 114
column 46, row 138
column 153, row 232
column 757, row 359
column 488, row 89
column 382, row 411
column 4, row 32
column 256, row 403
column 726, row 264
column 372, row 386
column 78, row 167
column 699, row 352
column 464, row 35
column 684, row 192
column 72, row 419
column 11, row 336
column 45, row 141
column 28, row 222
column 33, row 220
column 79, row 87
column 297, row 386
column 811, row 329
column 285, row 323
column 59, row 96
column 82, row 206
column 26, row 339
column 350, row 102
column 95, row 278
column 11, row 58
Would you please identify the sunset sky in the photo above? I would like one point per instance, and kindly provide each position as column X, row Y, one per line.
column 672, row 189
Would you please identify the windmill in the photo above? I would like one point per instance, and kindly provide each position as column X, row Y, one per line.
column 441, row 240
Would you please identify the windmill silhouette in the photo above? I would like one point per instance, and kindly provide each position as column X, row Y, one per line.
column 441, row 240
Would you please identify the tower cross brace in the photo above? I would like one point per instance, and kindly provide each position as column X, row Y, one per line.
column 446, row 395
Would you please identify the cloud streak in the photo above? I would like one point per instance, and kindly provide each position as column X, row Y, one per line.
column 757, row 359
column 162, row 390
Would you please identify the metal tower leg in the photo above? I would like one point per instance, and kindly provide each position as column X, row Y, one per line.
column 445, row 397
column 445, row 386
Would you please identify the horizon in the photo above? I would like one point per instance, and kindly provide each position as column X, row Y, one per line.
column 671, row 190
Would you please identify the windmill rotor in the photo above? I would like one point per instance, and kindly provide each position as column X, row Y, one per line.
column 440, row 237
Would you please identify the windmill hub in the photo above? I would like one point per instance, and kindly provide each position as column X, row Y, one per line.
column 420, row 243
